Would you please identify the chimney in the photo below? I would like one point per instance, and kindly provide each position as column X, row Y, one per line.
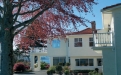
column 93, row 24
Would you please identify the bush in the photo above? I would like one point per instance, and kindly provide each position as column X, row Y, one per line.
column 52, row 69
column 66, row 72
column 61, row 64
column 82, row 71
column 44, row 65
column 19, row 67
column 94, row 73
column 67, row 64
column 59, row 68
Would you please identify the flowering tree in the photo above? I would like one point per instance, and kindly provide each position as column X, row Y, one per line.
column 54, row 17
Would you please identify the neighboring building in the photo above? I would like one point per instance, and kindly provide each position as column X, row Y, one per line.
column 108, row 39
column 76, row 49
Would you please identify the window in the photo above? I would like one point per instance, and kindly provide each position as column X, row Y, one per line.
column 99, row 62
column 91, row 42
column 84, row 62
column 57, row 60
column 56, row 43
column 78, row 42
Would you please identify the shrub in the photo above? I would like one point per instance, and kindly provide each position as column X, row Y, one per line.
column 59, row 68
column 66, row 72
column 67, row 64
column 44, row 65
column 66, row 68
column 52, row 69
column 94, row 73
column 96, row 69
column 61, row 64
column 82, row 71
column 19, row 67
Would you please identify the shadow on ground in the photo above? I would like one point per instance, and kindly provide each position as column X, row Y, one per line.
column 24, row 73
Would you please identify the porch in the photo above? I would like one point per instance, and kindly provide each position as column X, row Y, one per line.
column 103, row 40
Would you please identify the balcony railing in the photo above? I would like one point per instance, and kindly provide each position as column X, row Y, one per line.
column 44, row 50
column 103, row 39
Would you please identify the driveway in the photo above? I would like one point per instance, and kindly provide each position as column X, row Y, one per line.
column 43, row 72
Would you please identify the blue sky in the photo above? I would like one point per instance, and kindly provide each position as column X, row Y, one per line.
column 97, row 12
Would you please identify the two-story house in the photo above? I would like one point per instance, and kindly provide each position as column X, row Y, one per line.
column 76, row 49
column 108, row 39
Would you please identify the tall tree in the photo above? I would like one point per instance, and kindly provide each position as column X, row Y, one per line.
column 55, row 15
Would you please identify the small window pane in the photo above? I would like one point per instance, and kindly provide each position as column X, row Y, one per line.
column 90, row 62
column 90, row 43
column 80, row 39
column 77, row 62
column 83, row 62
column 90, row 39
column 99, row 62
column 55, row 60
column 76, row 40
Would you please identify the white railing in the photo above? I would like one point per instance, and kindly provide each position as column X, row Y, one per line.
column 103, row 39
column 44, row 50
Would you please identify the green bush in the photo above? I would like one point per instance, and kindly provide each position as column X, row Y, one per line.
column 44, row 65
column 67, row 64
column 66, row 72
column 52, row 69
column 61, row 64
column 94, row 73
column 83, row 71
column 59, row 68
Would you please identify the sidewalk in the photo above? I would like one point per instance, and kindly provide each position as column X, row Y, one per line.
column 43, row 72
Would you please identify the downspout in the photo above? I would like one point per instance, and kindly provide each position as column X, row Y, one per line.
column 67, row 51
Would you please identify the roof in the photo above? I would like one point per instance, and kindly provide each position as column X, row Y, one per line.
column 111, row 6
column 85, row 31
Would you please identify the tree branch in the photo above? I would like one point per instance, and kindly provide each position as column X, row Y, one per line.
column 25, row 23
column 18, row 31
column 18, row 11
column 28, row 12
column 1, row 9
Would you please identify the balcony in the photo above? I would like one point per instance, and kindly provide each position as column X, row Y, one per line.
column 103, row 40
column 39, row 51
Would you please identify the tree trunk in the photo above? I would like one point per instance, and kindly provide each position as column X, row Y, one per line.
column 7, row 53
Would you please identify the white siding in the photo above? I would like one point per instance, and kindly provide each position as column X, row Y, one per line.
column 57, row 51
column 85, row 50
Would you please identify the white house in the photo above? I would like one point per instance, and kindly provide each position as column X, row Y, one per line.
column 76, row 49
column 108, row 39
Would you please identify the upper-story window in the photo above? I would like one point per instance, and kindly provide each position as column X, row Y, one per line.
column 56, row 43
column 90, row 41
column 78, row 42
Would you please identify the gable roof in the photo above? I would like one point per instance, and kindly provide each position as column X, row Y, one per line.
column 111, row 6
column 85, row 31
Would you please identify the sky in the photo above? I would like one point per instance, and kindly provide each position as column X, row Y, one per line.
column 97, row 12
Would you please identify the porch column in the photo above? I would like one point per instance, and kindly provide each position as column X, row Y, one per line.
column 32, row 61
column 51, row 61
column 117, row 30
column 38, row 62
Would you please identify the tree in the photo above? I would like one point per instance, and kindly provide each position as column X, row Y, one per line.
column 56, row 15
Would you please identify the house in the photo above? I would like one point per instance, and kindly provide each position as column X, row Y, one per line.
column 108, row 39
column 75, row 49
